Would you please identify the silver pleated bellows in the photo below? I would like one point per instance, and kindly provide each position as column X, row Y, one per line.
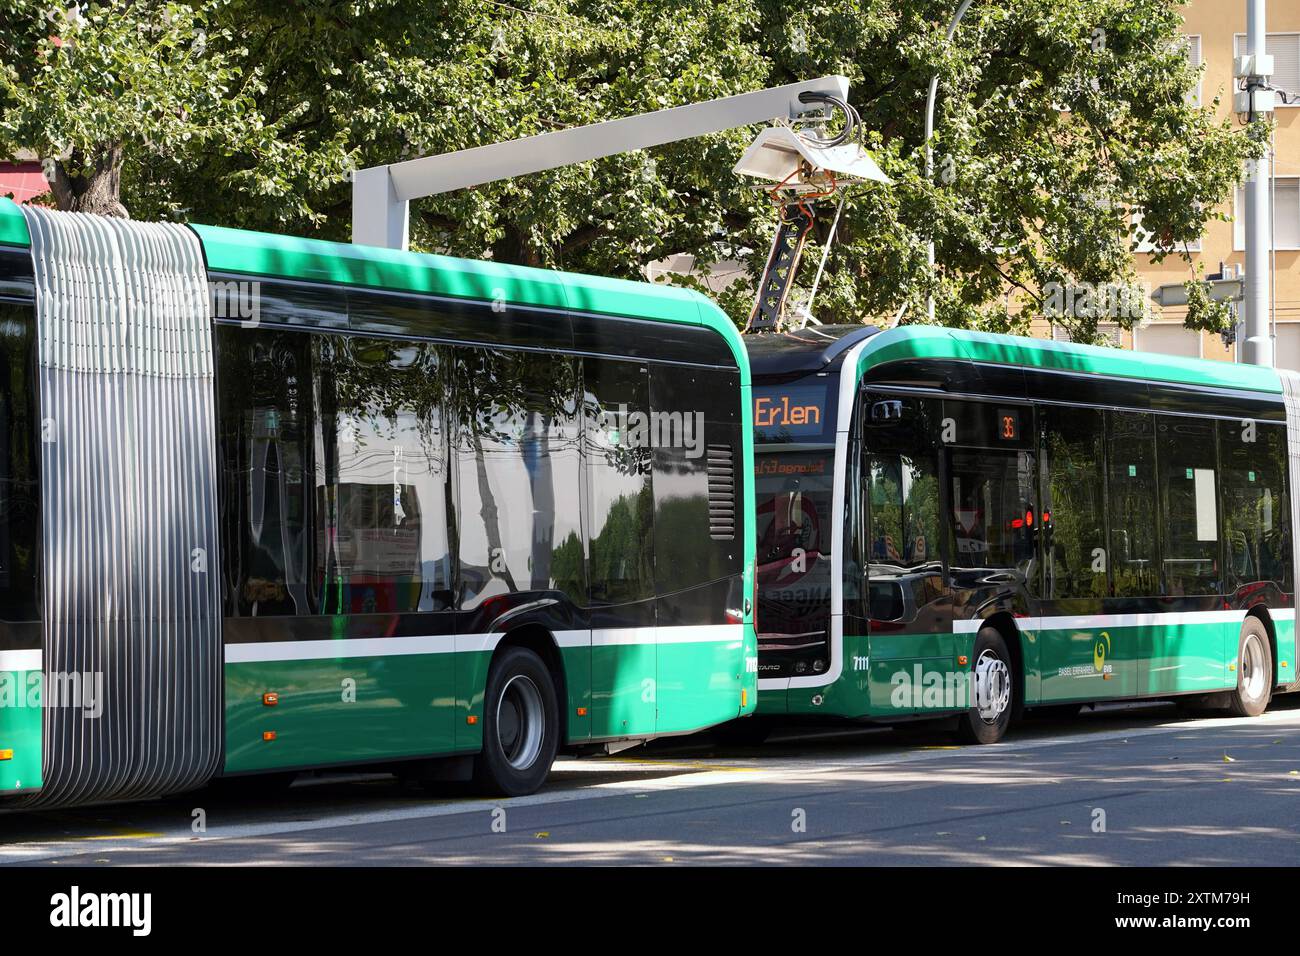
column 128, row 502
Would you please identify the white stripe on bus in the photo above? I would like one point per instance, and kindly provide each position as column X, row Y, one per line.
column 1076, row 622
column 27, row 660
column 342, row 647
column 472, row 643
column 1084, row 622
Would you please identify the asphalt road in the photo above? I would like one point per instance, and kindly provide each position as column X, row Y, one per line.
column 1138, row 785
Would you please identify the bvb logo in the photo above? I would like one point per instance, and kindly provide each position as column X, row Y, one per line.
column 1100, row 651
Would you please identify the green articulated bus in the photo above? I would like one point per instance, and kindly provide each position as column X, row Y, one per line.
column 270, row 504
column 965, row 524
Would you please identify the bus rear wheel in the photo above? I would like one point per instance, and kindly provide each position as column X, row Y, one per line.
column 994, row 689
column 521, row 725
column 1254, row 671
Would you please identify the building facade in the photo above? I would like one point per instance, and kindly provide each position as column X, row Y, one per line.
column 1216, row 33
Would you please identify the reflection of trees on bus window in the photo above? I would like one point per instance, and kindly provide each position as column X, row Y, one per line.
column 993, row 509
column 904, row 509
column 1190, row 504
column 518, row 463
column 1256, row 506
column 1131, row 477
column 1073, row 509
column 335, row 472
column 619, row 469
column 381, row 537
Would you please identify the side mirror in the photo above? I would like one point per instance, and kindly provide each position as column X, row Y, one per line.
column 886, row 411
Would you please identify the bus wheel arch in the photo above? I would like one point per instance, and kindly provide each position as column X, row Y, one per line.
column 1255, row 668
column 523, row 714
column 1261, row 611
column 1005, row 625
column 541, row 642
column 996, row 687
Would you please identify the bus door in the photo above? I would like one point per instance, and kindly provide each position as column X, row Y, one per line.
column 904, row 593
column 992, row 514
column 620, row 528
column 1084, row 653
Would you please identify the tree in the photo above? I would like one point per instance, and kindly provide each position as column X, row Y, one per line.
column 123, row 89
column 1056, row 124
column 395, row 78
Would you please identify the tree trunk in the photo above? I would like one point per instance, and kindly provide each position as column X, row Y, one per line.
column 94, row 187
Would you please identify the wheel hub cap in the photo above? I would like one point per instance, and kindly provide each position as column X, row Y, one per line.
column 1252, row 670
column 992, row 687
column 521, row 722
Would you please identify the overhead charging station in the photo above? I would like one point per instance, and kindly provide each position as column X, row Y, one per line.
column 802, row 160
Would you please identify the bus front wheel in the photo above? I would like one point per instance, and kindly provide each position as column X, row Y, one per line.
column 994, row 689
column 521, row 725
column 1254, row 671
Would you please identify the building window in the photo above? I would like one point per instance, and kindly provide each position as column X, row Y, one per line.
column 1144, row 242
column 1284, row 48
column 1168, row 338
column 1193, row 48
column 1287, row 346
column 1286, row 214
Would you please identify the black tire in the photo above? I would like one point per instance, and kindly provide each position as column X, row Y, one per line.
column 1254, row 671
column 743, row 732
column 991, row 653
column 521, row 726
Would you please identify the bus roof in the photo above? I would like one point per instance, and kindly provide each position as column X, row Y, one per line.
column 987, row 348
column 339, row 263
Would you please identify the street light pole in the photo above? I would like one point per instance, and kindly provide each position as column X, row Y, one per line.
column 381, row 194
column 929, row 132
column 1258, row 346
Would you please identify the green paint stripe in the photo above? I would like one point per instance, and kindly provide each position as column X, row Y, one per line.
column 316, row 260
column 337, row 263
column 13, row 227
column 934, row 342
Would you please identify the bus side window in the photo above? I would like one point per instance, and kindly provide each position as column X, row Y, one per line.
column 267, row 451
column 696, row 490
column 1189, row 498
column 19, row 454
column 902, row 485
column 993, row 510
column 380, row 493
column 1256, row 508
column 1131, row 504
column 1074, row 507
column 517, row 458
column 616, row 408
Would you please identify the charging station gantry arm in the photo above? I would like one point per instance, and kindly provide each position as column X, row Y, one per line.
column 381, row 194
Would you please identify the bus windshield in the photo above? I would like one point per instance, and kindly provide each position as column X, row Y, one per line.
column 794, row 560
